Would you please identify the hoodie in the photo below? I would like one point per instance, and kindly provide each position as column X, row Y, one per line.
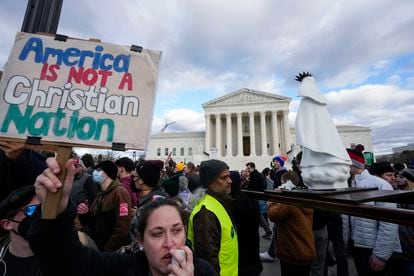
column 295, row 243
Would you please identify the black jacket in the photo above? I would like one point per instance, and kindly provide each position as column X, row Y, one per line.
column 56, row 245
column 246, row 214
column 276, row 176
column 257, row 182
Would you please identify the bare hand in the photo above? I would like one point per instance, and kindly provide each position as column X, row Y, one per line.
column 83, row 208
column 12, row 149
column 186, row 266
column 49, row 182
column 375, row 263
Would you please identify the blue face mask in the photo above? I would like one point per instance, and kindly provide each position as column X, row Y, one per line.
column 98, row 177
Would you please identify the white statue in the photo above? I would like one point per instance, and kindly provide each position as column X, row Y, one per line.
column 325, row 162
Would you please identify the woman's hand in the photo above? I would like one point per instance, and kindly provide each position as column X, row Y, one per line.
column 186, row 265
column 83, row 208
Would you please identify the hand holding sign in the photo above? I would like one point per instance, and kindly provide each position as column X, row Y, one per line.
column 48, row 183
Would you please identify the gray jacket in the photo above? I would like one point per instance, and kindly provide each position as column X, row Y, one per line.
column 381, row 236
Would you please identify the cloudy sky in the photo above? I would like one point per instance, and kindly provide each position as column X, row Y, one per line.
column 360, row 52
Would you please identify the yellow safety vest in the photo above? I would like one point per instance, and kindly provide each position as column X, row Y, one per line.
column 229, row 252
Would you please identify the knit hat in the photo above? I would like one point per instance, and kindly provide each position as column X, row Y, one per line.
column 15, row 200
column 408, row 173
column 171, row 184
column 279, row 159
column 109, row 168
column 210, row 170
column 357, row 157
column 380, row 168
column 179, row 166
column 150, row 171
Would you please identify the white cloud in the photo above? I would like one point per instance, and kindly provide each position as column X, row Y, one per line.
column 381, row 64
column 181, row 119
column 393, row 80
column 410, row 83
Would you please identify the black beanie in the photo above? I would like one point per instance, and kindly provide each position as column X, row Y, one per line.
column 210, row 170
column 109, row 168
column 171, row 185
column 150, row 171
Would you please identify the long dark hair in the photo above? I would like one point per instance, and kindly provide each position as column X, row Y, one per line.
column 156, row 203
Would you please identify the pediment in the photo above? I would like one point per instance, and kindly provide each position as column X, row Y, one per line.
column 246, row 96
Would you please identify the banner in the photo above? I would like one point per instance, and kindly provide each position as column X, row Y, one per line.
column 78, row 92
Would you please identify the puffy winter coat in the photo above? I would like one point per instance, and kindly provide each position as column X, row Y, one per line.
column 381, row 236
column 295, row 242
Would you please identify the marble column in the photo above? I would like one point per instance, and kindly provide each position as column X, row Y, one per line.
column 239, row 135
column 286, row 130
column 207, row 147
column 229, row 151
column 252, row 135
column 263, row 132
column 218, row 135
column 275, row 131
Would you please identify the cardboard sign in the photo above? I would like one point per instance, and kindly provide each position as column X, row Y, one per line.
column 78, row 92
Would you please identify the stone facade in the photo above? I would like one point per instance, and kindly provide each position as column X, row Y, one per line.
column 243, row 126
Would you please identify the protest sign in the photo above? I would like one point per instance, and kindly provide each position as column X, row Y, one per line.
column 78, row 92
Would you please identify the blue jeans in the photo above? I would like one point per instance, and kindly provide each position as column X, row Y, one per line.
column 271, row 250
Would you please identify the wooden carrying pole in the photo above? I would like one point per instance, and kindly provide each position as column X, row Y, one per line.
column 350, row 207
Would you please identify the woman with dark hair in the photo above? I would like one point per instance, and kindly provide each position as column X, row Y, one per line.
column 162, row 236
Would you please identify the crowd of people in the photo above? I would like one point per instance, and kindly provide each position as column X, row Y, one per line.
column 155, row 217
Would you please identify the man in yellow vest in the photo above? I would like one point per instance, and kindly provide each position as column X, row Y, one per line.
column 210, row 228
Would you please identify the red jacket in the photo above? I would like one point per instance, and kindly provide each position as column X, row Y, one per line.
column 126, row 182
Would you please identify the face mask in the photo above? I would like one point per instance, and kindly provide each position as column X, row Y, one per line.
column 23, row 227
column 98, row 177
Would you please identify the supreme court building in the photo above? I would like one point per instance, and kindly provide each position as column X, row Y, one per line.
column 243, row 126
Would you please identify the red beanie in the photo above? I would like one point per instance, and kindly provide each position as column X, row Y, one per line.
column 357, row 157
